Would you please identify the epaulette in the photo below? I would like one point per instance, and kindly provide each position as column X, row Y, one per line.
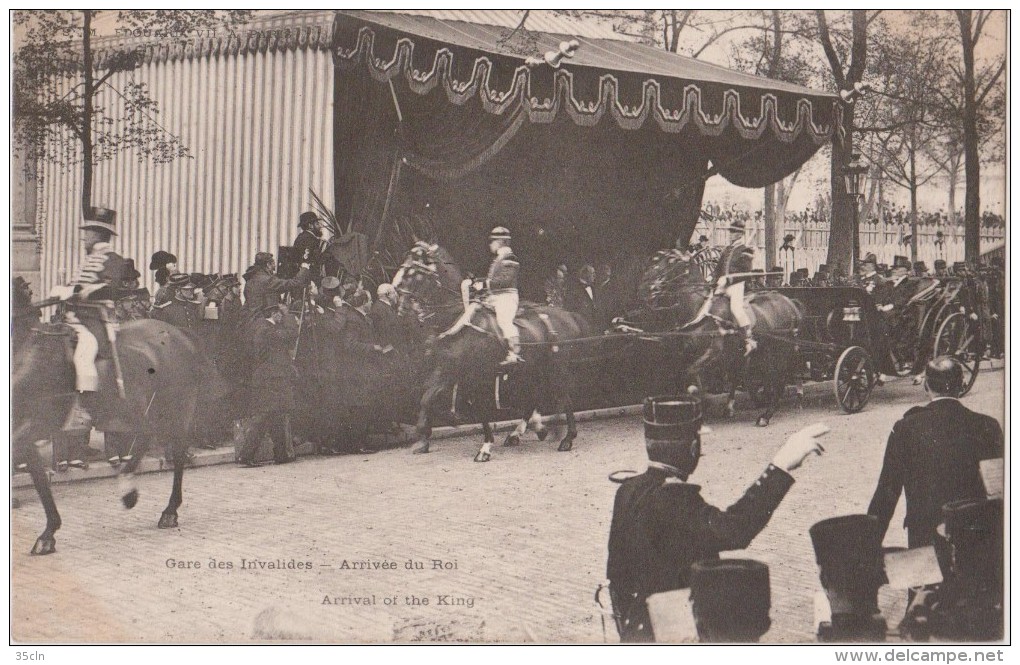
column 161, row 306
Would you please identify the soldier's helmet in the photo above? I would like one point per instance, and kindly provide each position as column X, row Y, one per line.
column 673, row 431
column 499, row 233
column 730, row 599
column 944, row 376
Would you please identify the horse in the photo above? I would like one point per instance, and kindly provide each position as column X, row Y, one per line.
column 164, row 378
column 469, row 361
column 674, row 291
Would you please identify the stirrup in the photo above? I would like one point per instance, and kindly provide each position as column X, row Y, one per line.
column 512, row 358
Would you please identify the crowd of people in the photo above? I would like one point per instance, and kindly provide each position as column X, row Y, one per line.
column 889, row 214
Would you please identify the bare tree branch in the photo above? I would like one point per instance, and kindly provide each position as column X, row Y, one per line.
column 830, row 51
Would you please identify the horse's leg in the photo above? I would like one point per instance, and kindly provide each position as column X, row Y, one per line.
column 168, row 520
column 423, row 427
column 126, row 475
column 45, row 543
column 800, row 393
column 514, row 437
column 775, row 386
column 562, row 385
column 536, row 424
column 484, row 453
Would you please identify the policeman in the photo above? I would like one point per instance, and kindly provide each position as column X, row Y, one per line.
column 661, row 524
column 99, row 279
column 730, row 599
column 736, row 258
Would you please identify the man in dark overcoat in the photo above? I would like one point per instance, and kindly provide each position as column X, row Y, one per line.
column 661, row 525
column 933, row 455
column 271, row 384
column 262, row 287
column 363, row 366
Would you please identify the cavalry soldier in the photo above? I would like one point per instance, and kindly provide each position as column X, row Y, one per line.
column 500, row 287
column 661, row 525
column 736, row 259
column 98, row 281
column 262, row 287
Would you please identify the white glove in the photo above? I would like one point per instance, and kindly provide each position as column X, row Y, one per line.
column 62, row 292
column 799, row 446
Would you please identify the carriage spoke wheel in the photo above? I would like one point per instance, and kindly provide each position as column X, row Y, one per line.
column 853, row 380
column 957, row 337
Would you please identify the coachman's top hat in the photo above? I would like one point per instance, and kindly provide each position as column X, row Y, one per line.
column 730, row 599
column 920, row 267
column 160, row 260
column 102, row 219
column 499, row 233
column 901, row 262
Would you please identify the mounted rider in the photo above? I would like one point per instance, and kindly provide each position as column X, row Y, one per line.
column 500, row 289
column 90, row 312
column 729, row 278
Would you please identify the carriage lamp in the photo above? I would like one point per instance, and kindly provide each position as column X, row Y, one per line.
column 854, row 175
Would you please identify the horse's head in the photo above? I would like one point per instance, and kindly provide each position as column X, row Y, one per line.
column 673, row 281
column 428, row 280
column 225, row 290
column 42, row 383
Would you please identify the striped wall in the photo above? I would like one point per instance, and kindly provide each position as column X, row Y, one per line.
column 257, row 120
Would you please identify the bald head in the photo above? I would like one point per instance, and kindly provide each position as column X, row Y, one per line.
column 386, row 293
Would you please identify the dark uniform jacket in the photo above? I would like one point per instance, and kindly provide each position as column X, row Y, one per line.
column 273, row 375
column 389, row 328
column 263, row 288
column 133, row 305
column 178, row 313
column 870, row 283
column 102, row 266
column 660, row 529
column 736, row 258
column 576, row 299
column 933, row 455
column 503, row 272
column 361, row 362
column 307, row 240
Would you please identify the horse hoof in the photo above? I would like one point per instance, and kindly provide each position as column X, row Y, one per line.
column 482, row 457
column 168, row 521
column 512, row 440
column 130, row 499
column 420, row 448
column 566, row 445
column 763, row 421
column 543, row 434
column 44, row 545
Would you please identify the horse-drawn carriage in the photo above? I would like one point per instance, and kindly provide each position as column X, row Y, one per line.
column 844, row 337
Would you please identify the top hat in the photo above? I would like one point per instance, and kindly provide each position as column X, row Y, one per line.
column 102, row 219
column 307, row 218
column 178, row 279
column 160, row 260
column 920, row 267
column 330, row 283
column 974, row 529
column 499, row 233
column 730, row 599
column 940, row 264
column 823, row 267
column 901, row 262
column 130, row 272
column 870, row 258
column 737, row 225
column 959, row 266
column 848, row 550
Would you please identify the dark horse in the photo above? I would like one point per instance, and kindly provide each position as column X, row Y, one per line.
column 164, row 377
column 430, row 281
column 674, row 291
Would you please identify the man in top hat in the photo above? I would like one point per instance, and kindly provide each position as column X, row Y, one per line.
column 661, row 524
column 271, row 383
column 98, row 281
column 262, row 286
column 579, row 292
column 363, row 362
column 309, row 243
column 933, row 455
column 940, row 268
column 736, row 259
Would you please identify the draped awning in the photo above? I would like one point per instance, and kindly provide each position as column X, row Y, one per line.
column 607, row 153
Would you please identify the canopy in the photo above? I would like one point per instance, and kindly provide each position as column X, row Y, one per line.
column 444, row 124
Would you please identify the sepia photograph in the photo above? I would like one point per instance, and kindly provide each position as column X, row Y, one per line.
column 506, row 327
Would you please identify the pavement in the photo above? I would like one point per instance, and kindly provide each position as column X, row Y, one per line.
column 349, row 549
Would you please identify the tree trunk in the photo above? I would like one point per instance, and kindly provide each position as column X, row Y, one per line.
column 971, row 164
column 913, row 193
column 86, row 118
column 769, row 214
column 843, row 229
column 953, row 176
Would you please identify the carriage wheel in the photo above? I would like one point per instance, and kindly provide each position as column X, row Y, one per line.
column 958, row 338
column 854, row 378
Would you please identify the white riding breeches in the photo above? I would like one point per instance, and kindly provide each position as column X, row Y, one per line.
column 735, row 292
column 86, row 374
column 505, row 306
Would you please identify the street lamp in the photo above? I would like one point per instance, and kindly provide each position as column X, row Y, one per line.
column 854, row 174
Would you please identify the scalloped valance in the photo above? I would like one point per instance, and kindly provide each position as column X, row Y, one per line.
column 712, row 107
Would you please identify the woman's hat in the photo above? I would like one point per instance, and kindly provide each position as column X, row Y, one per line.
column 160, row 260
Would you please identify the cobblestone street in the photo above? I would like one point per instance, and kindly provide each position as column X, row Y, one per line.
column 508, row 551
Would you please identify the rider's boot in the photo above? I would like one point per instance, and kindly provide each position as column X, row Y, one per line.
column 513, row 352
column 749, row 343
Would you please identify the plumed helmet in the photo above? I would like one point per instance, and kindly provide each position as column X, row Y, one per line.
column 944, row 376
column 499, row 233
column 672, row 431
column 160, row 260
